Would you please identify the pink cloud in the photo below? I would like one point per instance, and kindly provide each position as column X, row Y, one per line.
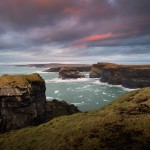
column 100, row 37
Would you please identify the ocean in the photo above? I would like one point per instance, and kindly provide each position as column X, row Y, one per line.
column 86, row 93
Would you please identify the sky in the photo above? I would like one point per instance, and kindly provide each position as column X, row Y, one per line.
column 74, row 31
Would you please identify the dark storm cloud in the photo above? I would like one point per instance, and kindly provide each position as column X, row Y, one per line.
column 32, row 13
column 78, row 28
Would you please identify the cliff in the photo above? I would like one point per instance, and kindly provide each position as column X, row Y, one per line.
column 131, row 76
column 23, row 102
column 69, row 73
column 123, row 124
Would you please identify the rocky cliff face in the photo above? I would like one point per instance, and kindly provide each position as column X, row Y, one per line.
column 69, row 72
column 128, row 76
column 22, row 101
column 135, row 77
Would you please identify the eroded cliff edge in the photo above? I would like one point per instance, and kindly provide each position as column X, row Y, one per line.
column 23, row 102
column 130, row 76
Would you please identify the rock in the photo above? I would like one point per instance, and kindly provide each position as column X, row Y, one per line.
column 135, row 77
column 22, row 101
column 131, row 76
column 69, row 73
column 79, row 68
column 61, row 108
column 57, row 69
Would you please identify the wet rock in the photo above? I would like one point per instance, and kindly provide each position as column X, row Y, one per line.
column 69, row 73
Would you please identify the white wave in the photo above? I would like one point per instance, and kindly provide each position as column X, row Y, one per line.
column 76, row 104
column 41, row 72
column 104, row 93
column 47, row 97
column 59, row 80
column 56, row 92
column 110, row 85
column 105, row 100
column 81, row 96
column 128, row 89
column 69, row 89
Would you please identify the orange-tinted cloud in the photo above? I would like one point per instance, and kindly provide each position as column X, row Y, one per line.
column 100, row 37
column 97, row 37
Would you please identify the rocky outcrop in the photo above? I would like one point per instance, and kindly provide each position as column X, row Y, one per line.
column 69, row 73
column 61, row 108
column 80, row 69
column 131, row 76
column 23, row 102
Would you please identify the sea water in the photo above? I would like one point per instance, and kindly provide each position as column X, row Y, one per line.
column 86, row 93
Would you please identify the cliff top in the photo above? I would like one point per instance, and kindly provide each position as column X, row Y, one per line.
column 20, row 80
column 123, row 124
column 112, row 65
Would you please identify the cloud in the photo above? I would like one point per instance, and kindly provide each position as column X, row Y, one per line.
column 100, row 37
column 54, row 29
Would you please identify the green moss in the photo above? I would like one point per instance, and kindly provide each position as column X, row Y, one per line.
column 20, row 80
column 115, row 126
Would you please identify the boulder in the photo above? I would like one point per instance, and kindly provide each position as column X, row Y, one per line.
column 69, row 73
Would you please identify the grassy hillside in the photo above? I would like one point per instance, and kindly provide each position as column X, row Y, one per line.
column 124, row 124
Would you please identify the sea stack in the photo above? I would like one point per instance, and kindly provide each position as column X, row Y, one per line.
column 70, row 73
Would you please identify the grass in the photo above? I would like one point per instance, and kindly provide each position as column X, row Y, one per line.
column 123, row 124
column 115, row 66
column 20, row 80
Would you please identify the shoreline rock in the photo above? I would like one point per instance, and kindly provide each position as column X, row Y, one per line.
column 130, row 76
column 70, row 73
